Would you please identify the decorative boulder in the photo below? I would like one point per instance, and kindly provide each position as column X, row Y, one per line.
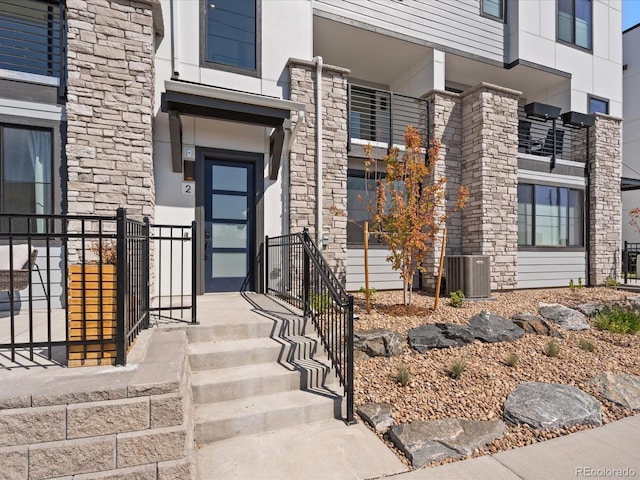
column 439, row 335
column 425, row 442
column 378, row 342
column 589, row 309
column 619, row 388
column 532, row 324
column 551, row 406
column 565, row 317
column 490, row 328
column 378, row 415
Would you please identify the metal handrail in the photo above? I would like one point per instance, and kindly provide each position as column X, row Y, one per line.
column 298, row 274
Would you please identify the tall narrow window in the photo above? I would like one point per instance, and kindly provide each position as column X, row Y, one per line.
column 26, row 173
column 231, row 33
column 493, row 8
column 575, row 22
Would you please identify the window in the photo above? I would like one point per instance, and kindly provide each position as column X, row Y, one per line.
column 31, row 36
column 550, row 216
column 493, row 8
column 598, row 105
column 361, row 197
column 25, row 171
column 574, row 22
column 231, row 34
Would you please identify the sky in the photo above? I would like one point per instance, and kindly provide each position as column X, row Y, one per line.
column 630, row 13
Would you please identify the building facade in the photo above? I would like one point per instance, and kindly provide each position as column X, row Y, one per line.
column 631, row 132
column 251, row 117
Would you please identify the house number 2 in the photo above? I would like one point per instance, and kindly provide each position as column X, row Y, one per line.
column 188, row 189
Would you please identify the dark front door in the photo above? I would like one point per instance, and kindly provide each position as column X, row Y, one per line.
column 229, row 222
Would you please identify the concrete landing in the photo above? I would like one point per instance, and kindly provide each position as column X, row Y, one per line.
column 326, row 450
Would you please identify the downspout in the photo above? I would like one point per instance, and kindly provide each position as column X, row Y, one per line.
column 285, row 169
column 174, row 38
column 318, row 61
column 587, row 242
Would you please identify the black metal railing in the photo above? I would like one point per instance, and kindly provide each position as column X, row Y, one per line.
column 174, row 249
column 297, row 273
column 630, row 265
column 77, row 287
column 32, row 37
column 551, row 139
column 380, row 118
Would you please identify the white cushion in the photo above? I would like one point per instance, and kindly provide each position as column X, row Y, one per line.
column 20, row 257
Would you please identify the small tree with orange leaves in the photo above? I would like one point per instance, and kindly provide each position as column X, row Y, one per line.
column 409, row 211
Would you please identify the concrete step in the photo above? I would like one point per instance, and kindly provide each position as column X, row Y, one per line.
column 250, row 327
column 241, row 382
column 235, row 353
column 265, row 413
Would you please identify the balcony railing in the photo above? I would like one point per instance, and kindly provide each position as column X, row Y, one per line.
column 380, row 118
column 551, row 139
column 32, row 37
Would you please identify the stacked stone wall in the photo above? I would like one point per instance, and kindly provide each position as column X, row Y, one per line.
column 302, row 162
column 110, row 57
column 446, row 126
column 605, row 216
column 490, row 171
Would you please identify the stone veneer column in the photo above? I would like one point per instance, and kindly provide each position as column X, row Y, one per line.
column 445, row 117
column 490, row 171
column 302, row 162
column 605, row 236
column 109, row 106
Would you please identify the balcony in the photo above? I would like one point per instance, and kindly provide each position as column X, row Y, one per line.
column 379, row 118
column 552, row 139
column 31, row 35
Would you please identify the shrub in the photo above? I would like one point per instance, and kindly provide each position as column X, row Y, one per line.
column 457, row 368
column 372, row 291
column 572, row 285
column 320, row 302
column 611, row 282
column 456, row 298
column 587, row 345
column 402, row 375
column 618, row 319
column 552, row 349
column 511, row 360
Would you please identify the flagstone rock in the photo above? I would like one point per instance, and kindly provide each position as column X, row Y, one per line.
column 549, row 406
column 440, row 335
column 620, row 388
column 589, row 309
column 378, row 342
column 378, row 415
column 532, row 324
column 565, row 317
column 425, row 442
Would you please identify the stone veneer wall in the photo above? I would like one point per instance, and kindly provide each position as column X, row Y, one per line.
column 605, row 154
column 446, row 125
column 490, row 171
column 134, row 422
column 109, row 108
column 302, row 161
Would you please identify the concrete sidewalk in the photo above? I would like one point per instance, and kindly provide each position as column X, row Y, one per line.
column 611, row 451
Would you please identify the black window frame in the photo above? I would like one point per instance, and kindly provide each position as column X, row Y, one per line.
column 204, row 62
column 374, row 176
column 52, row 195
column 573, row 43
column 597, row 99
column 503, row 11
column 532, row 246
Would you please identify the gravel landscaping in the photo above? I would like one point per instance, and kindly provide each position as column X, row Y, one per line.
column 481, row 390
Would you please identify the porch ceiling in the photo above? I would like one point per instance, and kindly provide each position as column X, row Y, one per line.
column 370, row 56
column 534, row 83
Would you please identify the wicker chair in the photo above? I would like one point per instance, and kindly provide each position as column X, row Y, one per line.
column 23, row 264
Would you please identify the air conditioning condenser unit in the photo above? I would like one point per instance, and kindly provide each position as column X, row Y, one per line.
column 469, row 273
